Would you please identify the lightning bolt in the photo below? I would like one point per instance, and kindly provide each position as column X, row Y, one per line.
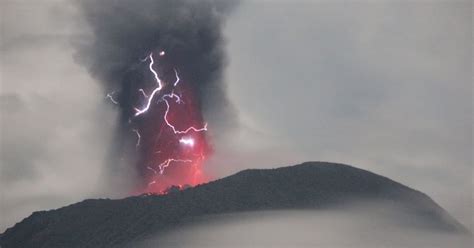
column 165, row 98
column 154, row 171
column 143, row 92
column 167, row 162
column 153, row 93
column 173, row 95
column 187, row 141
column 138, row 137
column 177, row 78
column 109, row 95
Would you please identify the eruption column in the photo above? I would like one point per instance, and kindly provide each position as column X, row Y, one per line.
column 171, row 154
column 190, row 72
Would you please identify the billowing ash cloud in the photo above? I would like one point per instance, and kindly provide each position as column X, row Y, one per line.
column 125, row 32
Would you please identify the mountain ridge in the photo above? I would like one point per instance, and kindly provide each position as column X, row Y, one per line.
column 310, row 185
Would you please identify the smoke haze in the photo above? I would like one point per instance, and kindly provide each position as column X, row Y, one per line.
column 55, row 123
column 385, row 86
column 123, row 34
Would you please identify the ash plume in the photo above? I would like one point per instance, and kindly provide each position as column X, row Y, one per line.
column 124, row 32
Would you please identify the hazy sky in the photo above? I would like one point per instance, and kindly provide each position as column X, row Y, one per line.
column 381, row 85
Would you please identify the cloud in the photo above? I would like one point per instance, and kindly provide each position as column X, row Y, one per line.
column 363, row 226
column 55, row 123
column 385, row 86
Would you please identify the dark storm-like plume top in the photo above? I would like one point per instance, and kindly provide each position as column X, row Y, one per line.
column 126, row 31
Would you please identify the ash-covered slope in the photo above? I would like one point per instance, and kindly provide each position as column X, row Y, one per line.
column 311, row 185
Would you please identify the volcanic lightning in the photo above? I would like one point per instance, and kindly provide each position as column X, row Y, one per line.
column 167, row 162
column 178, row 99
column 143, row 92
column 161, row 71
column 139, row 137
column 158, row 87
column 177, row 78
column 187, row 141
column 171, row 101
column 110, row 96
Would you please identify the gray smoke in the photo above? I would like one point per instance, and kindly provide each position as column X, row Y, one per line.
column 124, row 32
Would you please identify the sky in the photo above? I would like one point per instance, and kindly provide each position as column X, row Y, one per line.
column 380, row 85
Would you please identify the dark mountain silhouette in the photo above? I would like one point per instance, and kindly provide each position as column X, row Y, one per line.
column 311, row 185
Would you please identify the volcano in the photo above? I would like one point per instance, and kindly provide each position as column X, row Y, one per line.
column 315, row 186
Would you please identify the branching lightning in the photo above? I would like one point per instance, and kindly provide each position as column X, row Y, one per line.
column 150, row 98
column 158, row 87
column 202, row 129
column 160, row 74
column 167, row 162
column 110, row 96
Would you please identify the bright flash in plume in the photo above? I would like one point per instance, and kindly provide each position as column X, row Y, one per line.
column 187, row 141
column 167, row 99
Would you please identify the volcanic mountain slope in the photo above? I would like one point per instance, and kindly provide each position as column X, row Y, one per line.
column 311, row 185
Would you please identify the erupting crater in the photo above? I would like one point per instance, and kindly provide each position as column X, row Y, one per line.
column 168, row 124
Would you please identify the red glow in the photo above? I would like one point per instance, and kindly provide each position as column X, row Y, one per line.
column 166, row 160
